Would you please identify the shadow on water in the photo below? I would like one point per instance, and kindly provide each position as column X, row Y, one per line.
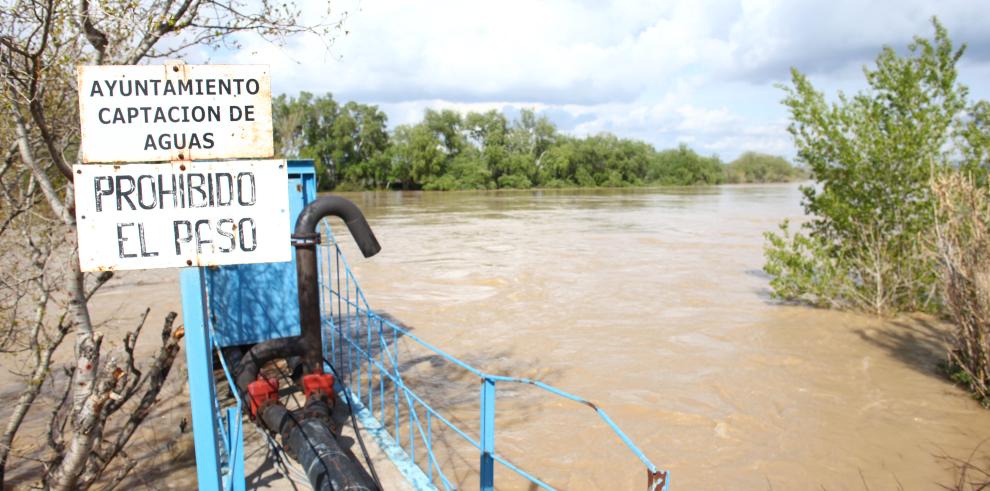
column 918, row 343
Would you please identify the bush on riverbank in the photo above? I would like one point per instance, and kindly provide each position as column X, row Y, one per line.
column 963, row 254
column 873, row 156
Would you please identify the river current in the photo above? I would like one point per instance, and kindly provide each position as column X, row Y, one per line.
column 652, row 303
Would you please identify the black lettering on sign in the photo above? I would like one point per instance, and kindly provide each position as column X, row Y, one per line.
column 182, row 191
column 210, row 191
column 198, row 187
column 254, row 234
column 236, row 235
column 186, row 236
column 248, row 113
column 162, row 192
column 121, row 239
column 101, row 191
column 225, row 184
column 144, row 247
column 147, row 190
column 178, row 141
column 229, row 234
column 123, row 195
column 252, row 86
column 246, row 187
column 200, row 241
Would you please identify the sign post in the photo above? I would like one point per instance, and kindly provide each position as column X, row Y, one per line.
column 173, row 206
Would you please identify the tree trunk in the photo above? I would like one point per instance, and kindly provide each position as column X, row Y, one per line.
column 87, row 398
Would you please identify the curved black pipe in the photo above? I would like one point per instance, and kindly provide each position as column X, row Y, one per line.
column 246, row 370
column 347, row 211
column 306, row 271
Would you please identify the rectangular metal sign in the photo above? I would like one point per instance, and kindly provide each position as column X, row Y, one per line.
column 182, row 214
column 148, row 113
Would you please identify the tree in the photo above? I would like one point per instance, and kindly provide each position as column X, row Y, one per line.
column 683, row 166
column 41, row 41
column 872, row 156
column 760, row 167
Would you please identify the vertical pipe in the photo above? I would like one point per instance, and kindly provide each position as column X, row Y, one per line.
column 487, row 466
column 309, row 308
column 199, row 360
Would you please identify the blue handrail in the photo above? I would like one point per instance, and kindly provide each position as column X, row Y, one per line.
column 357, row 338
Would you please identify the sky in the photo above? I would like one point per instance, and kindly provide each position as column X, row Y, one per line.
column 699, row 72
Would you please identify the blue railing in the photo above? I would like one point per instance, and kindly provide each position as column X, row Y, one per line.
column 364, row 347
column 231, row 429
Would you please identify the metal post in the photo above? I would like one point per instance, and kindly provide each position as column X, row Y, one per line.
column 487, row 466
column 235, row 432
column 202, row 394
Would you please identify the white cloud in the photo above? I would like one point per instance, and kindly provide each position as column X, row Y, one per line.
column 666, row 72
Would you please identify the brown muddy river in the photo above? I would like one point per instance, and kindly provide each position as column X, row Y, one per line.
column 652, row 303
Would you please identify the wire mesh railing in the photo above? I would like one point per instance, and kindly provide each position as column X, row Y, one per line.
column 379, row 372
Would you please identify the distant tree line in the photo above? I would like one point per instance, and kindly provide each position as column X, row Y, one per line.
column 353, row 149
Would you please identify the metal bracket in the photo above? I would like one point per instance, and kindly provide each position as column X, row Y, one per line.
column 308, row 239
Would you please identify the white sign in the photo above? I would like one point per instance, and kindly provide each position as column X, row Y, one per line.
column 182, row 214
column 148, row 113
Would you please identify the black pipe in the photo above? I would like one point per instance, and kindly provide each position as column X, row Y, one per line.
column 306, row 433
column 311, row 443
column 250, row 364
column 306, row 272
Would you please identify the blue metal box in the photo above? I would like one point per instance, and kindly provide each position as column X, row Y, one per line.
column 250, row 303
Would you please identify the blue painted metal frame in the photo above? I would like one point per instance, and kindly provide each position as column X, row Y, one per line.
column 230, row 305
column 199, row 363
column 218, row 440
column 364, row 346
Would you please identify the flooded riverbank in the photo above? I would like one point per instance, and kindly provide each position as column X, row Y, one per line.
column 652, row 303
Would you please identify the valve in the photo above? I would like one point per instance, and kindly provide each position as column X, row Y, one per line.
column 262, row 391
column 321, row 383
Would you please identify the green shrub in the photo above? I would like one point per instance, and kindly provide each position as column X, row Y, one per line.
column 762, row 168
column 872, row 155
column 514, row 181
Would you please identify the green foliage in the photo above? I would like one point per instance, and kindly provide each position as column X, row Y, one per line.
column 683, row 166
column 348, row 143
column 872, row 156
column 761, row 168
column 514, row 181
column 801, row 269
column 450, row 151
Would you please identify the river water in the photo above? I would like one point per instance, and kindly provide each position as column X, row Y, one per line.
column 653, row 304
